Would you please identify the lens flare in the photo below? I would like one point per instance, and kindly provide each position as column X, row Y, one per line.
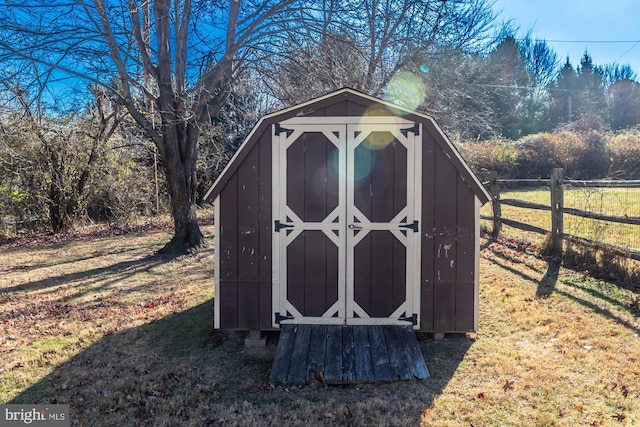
column 406, row 90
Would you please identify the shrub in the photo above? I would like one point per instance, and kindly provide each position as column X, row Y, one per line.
column 582, row 155
column 625, row 154
column 535, row 156
column 498, row 154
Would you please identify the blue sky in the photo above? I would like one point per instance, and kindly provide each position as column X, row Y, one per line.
column 573, row 26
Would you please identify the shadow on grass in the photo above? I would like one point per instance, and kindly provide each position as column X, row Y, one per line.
column 179, row 371
column 116, row 271
column 547, row 284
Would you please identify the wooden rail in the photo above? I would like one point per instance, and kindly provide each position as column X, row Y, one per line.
column 557, row 209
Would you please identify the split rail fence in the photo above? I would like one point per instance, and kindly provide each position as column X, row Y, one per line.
column 558, row 212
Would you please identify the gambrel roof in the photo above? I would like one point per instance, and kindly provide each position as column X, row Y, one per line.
column 339, row 103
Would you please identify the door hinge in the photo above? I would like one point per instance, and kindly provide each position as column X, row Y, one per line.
column 415, row 129
column 280, row 318
column 413, row 319
column 413, row 226
column 279, row 129
column 279, row 226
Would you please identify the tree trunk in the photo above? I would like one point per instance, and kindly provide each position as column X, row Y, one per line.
column 179, row 166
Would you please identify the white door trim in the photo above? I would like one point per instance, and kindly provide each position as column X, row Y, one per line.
column 346, row 133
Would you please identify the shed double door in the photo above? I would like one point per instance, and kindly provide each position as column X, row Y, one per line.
column 346, row 209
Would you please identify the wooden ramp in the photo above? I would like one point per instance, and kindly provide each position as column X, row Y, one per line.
column 339, row 354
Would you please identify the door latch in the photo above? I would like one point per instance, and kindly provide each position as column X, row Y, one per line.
column 355, row 226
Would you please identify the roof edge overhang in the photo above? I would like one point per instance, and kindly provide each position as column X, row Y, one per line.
column 339, row 95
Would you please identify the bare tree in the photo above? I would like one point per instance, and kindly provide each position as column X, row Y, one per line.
column 363, row 44
column 67, row 150
column 174, row 60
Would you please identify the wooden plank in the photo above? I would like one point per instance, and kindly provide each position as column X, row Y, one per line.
column 314, row 177
column 523, row 226
column 248, row 305
column 414, row 356
column 362, row 279
column 379, row 356
column 315, row 274
column 341, row 108
column 295, row 254
column 362, row 351
column 317, row 346
column 381, row 180
column 216, row 266
column 445, row 244
column 229, row 231
column 248, row 218
column 604, row 183
column 228, row 294
column 280, row 369
column 265, row 228
column 465, row 259
column 427, row 239
column 635, row 220
column 397, row 359
column 333, row 355
column 399, row 274
column 361, row 169
column 295, row 185
column 266, row 310
column 381, row 273
column 524, row 204
column 298, row 367
column 348, row 355
column 400, row 172
column 332, row 273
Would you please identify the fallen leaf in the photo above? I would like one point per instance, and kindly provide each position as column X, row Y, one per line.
column 348, row 415
column 618, row 417
column 508, row 385
column 327, row 414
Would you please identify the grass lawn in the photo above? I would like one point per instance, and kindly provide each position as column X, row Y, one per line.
column 125, row 337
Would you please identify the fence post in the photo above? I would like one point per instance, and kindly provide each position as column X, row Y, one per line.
column 494, row 189
column 557, row 206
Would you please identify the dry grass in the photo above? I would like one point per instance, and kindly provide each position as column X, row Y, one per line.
column 125, row 338
column 611, row 201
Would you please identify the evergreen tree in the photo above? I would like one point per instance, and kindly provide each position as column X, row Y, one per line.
column 590, row 99
column 624, row 104
column 512, row 84
column 563, row 93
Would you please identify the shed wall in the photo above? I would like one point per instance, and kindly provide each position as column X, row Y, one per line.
column 245, row 242
column 448, row 244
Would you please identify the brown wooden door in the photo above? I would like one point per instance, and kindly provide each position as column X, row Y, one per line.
column 346, row 221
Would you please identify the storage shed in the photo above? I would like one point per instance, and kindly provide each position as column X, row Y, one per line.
column 347, row 209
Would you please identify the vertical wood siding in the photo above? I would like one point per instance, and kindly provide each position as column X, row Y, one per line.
column 448, row 245
column 380, row 194
column 245, row 243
